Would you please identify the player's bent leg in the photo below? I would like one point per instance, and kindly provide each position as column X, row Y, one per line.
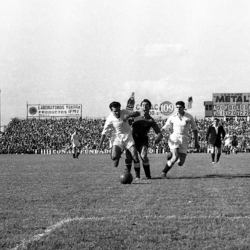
column 144, row 153
column 73, row 151
column 182, row 158
column 175, row 156
column 78, row 151
column 213, row 153
column 145, row 162
column 134, row 155
column 128, row 160
column 171, row 162
column 218, row 154
column 226, row 149
column 169, row 155
column 115, row 155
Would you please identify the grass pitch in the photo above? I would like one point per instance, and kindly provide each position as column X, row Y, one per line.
column 57, row 202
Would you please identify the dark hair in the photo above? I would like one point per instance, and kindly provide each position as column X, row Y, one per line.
column 114, row 105
column 180, row 103
column 216, row 119
column 148, row 102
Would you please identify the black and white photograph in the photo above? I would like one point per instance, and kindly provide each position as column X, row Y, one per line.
column 124, row 124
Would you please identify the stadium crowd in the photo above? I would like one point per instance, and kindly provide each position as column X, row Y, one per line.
column 31, row 135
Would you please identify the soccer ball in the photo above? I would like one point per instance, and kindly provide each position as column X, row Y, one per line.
column 126, row 178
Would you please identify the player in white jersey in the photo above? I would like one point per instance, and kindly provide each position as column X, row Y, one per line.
column 178, row 140
column 228, row 142
column 111, row 136
column 76, row 145
column 123, row 139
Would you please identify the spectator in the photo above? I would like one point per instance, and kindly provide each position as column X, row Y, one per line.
column 27, row 135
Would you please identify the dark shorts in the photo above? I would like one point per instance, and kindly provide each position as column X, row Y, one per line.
column 234, row 143
column 217, row 143
column 140, row 141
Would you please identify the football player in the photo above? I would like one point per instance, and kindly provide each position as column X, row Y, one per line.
column 123, row 140
column 214, row 136
column 178, row 140
column 140, row 128
column 76, row 146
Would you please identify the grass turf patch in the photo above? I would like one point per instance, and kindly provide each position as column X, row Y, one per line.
column 56, row 202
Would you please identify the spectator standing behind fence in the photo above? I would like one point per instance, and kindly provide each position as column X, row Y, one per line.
column 24, row 136
column 214, row 136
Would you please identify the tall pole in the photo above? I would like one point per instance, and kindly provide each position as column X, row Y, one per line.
column 0, row 112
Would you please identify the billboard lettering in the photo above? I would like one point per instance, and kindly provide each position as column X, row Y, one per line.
column 57, row 110
column 163, row 109
column 231, row 104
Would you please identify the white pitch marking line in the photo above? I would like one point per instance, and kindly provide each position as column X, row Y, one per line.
column 59, row 224
column 199, row 217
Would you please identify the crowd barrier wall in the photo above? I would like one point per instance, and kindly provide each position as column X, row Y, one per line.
column 108, row 151
column 53, row 151
column 94, row 151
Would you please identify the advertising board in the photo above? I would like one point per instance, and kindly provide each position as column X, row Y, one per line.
column 231, row 104
column 162, row 110
column 55, row 110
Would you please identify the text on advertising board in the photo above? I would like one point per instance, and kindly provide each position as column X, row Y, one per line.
column 64, row 110
column 165, row 108
column 231, row 104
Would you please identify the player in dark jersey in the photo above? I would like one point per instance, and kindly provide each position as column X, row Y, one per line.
column 140, row 128
column 234, row 143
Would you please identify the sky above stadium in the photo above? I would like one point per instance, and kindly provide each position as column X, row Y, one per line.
column 94, row 52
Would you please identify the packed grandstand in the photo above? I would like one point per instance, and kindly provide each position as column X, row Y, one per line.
column 28, row 136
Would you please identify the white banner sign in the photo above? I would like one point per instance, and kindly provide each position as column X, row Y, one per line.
column 55, row 110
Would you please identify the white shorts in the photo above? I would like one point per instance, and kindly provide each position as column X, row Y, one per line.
column 124, row 141
column 111, row 141
column 178, row 141
column 75, row 144
column 228, row 142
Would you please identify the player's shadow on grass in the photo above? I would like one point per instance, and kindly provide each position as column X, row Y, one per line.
column 140, row 183
column 210, row 176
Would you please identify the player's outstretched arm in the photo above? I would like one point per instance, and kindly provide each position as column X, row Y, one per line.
column 157, row 130
column 131, row 115
column 158, row 138
column 135, row 114
column 167, row 126
column 165, row 129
